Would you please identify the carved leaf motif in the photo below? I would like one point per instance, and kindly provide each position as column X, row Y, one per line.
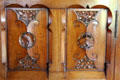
column 27, row 39
column 26, row 15
column 86, row 16
column 84, row 63
column 28, row 63
column 86, row 40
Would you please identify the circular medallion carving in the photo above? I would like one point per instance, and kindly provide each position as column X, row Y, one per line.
column 27, row 40
column 86, row 41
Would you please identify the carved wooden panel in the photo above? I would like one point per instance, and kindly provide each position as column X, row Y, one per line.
column 27, row 38
column 86, row 39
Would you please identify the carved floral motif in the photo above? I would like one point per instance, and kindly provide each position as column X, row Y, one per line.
column 86, row 16
column 26, row 15
column 86, row 40
column 28, row 63
column 84, row 63
column 27, row 39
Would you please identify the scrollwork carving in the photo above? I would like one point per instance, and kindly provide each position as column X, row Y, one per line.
column 27, row 40
column 85, row 41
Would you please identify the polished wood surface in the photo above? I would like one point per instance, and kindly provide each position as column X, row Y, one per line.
column 92, row 75
column 74, row 30
column 117, row 47
column 16, row 52
column 98, row 33
column 28, row 75
column 15, row 29
column 57, row 44
column 73, row 50
column 57, row 66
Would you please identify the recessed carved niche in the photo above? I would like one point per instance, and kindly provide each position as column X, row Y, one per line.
column 28, row 40
column 82, row 47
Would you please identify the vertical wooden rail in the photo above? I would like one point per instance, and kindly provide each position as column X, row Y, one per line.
column 57, row 34
column 3, row 37
column 2, row 41
column 117, row 48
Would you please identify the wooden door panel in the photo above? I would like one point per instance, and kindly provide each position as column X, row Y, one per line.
column 86, row 39
column 27, row 38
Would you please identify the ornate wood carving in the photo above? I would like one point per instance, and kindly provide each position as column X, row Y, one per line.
column 26, row 15
column 85, row 41
column 86, row 16
column 28, row 63
column 85, row 64
column 82, row 48
column 27, row 38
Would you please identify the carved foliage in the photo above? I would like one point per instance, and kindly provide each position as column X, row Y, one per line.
column 28, row 63
column 84, row 63
column 86, row 16
column 86, row 40
column 26, row 15
column 27, row 39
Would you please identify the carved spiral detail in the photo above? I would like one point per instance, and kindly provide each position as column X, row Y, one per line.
column 27, row 40
column 85, row 41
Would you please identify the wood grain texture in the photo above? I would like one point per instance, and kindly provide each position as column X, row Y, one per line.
column 73, row 32
column 27, row 75
column 85, row 75
column 99, row 34
column 16, row 52
column 110, row 72
column 117, row 49
column 2, row 67
column 57, row 31
column 15, row 30
column 56, row 28
column 112, row 4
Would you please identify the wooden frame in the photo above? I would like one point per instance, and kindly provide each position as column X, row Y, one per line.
column 66, row 4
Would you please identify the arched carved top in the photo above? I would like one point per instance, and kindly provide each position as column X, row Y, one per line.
column 76, row 6
column 14, row 6
column 38, row 6
column 109, row 20
column 26, row 6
